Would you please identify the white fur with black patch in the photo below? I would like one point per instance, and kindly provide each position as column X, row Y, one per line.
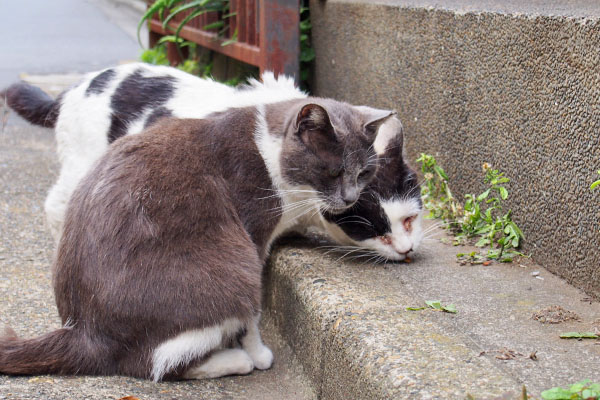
column 84, row 121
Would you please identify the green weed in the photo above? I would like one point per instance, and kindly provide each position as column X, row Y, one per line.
column 482, row 217
column 435, row 192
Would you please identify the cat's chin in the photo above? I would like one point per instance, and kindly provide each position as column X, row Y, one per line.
column 386, row 252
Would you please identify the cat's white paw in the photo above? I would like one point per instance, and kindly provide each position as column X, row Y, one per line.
column 222, row 363
column 262, row 357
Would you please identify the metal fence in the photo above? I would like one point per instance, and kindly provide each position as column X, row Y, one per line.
column 267, row 34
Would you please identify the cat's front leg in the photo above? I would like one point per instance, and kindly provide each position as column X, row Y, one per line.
column 222, row 363
column 252, row 343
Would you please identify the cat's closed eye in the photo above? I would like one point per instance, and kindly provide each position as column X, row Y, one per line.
column 366, row 173
column 335, row 172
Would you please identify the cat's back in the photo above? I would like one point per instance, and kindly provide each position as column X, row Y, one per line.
column 155, row 205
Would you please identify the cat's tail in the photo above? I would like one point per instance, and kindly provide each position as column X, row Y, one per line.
column 31, row 103
column 58, row 352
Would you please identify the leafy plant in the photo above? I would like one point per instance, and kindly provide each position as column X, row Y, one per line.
column 482, row 217
column 436, row 194
column 156, row 55
column 596, row 183
column 169, row 9
column 584, row 390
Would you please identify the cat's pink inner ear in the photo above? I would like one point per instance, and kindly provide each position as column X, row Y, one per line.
column 314, row 115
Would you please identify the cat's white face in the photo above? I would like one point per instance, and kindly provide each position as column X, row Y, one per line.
column 406, row 230
column 390, row 236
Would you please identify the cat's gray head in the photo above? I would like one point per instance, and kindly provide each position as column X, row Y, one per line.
column 387, row 219
column 328, row 147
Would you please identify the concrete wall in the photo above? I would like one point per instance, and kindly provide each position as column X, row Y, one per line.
column 521, row 92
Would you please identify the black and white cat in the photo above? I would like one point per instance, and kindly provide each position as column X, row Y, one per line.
column 123, row 100
column 159, row 263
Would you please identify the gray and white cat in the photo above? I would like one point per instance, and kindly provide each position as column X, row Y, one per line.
column 159, row 262
column 123, row 100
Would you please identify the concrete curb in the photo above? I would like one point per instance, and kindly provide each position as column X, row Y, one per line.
column 348, row 325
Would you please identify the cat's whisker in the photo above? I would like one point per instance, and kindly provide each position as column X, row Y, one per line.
column 433, row 227
column 350, row 252
column 361, row 220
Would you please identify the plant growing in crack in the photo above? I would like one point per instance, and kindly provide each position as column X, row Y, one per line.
column 435, row 192
column 482, row 218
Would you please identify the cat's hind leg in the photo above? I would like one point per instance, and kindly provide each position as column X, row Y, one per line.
column 222, row 363
column 252, row 343
column 186, row 346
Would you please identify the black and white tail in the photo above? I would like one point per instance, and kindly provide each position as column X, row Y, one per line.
column 31, row 103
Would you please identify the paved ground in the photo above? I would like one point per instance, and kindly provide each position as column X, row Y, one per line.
column 60, row 36
column 74, row 36
column 27, row 169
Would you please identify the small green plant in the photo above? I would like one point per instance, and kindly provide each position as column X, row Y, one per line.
column 156, row 55
column 596, row 183
column 584, row 390
column 482, row 218
column 435, row 192
column 436, row 305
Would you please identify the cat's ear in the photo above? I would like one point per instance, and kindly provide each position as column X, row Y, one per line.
column 390, row 138
column 374, row 118
column 314, row 128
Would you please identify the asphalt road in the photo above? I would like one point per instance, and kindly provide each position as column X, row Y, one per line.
column 60, row 36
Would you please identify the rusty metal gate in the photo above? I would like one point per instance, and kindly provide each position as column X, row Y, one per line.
column 267, row 34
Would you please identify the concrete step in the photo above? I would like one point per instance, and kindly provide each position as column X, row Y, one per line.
column 348, row 324
column 512, row 83
column 27, row 169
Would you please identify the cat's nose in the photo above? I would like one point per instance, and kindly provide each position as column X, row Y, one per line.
column 350, row 196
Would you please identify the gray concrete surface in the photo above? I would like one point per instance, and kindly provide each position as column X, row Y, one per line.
column 61, row 36
column 348, row 324
column 28, row 167
column 473, row 83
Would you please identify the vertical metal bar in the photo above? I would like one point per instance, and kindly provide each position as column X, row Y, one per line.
column 257, row 23
column 233, row 21
column 251, row 21
column 280, row 36
column 242, row 22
